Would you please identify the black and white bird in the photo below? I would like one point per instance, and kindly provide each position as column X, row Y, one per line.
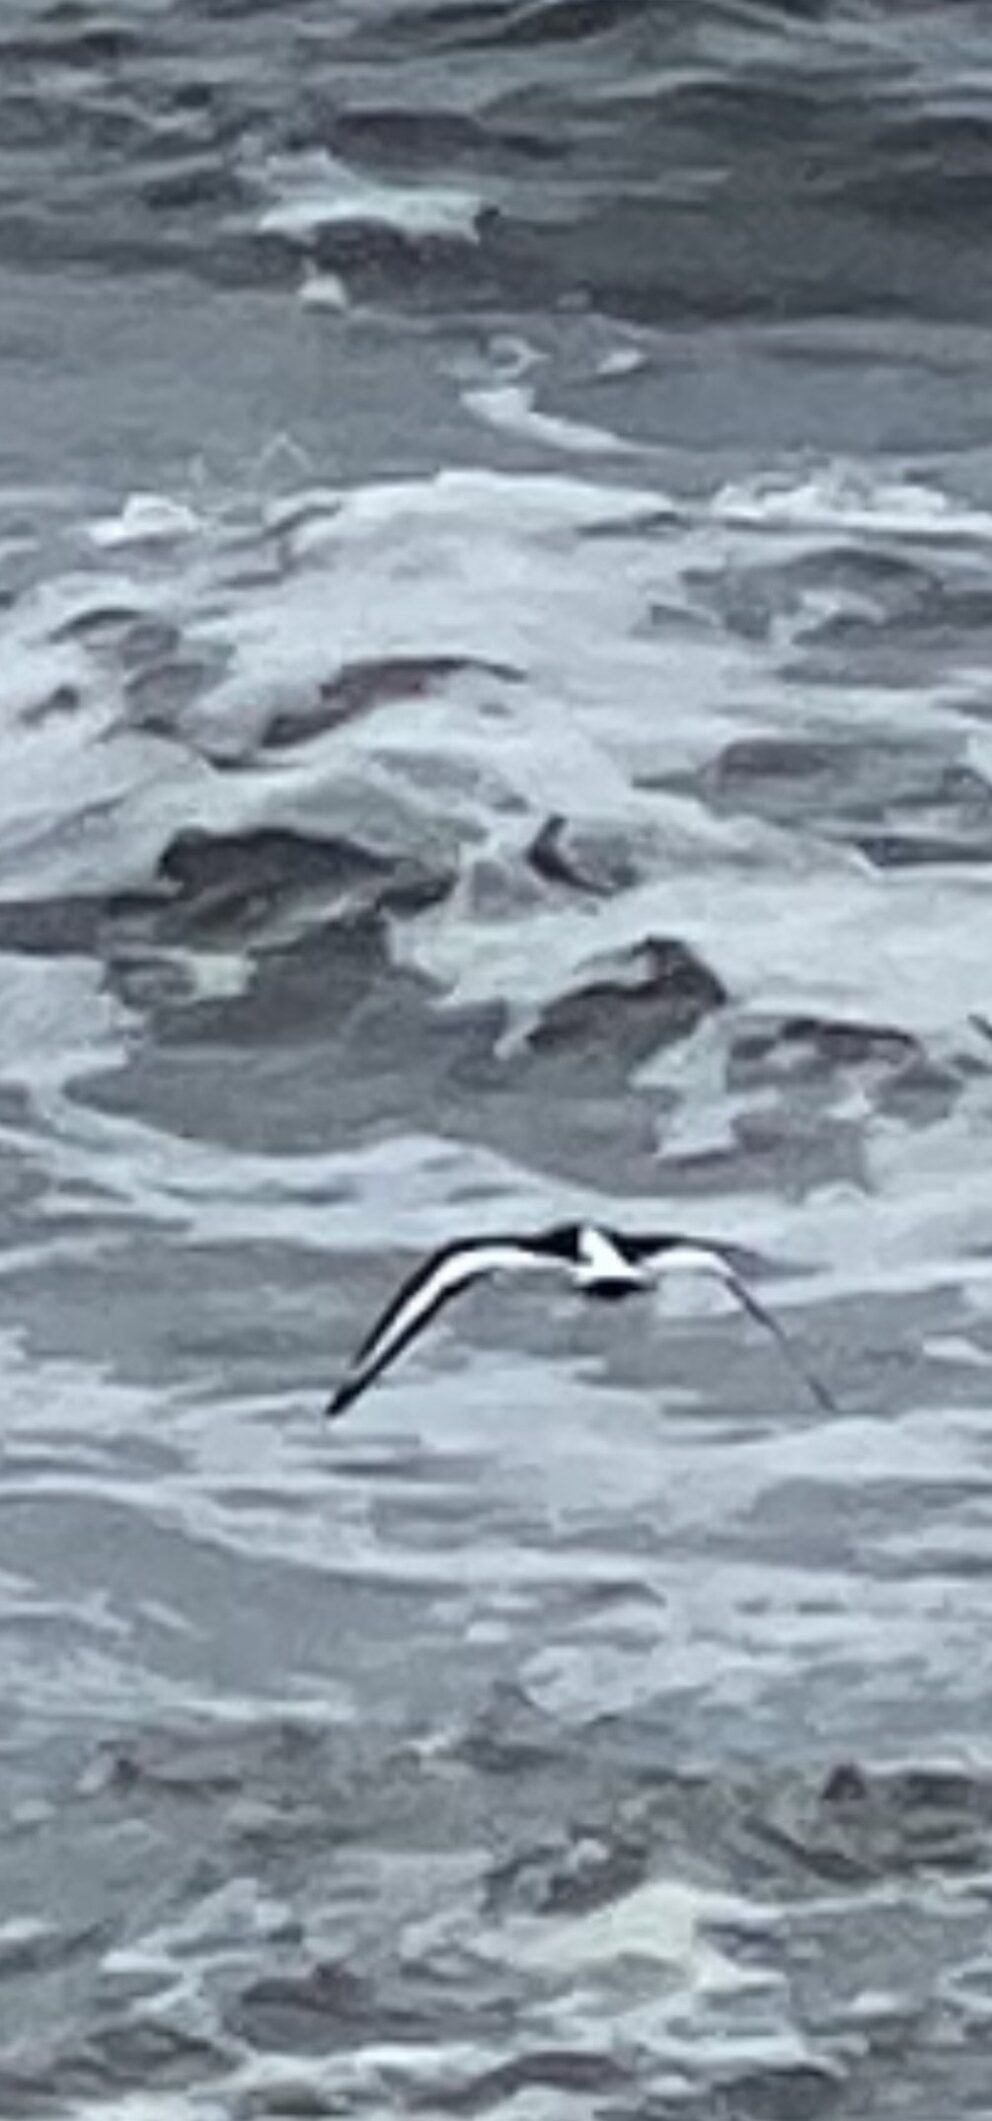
column 600, row 1263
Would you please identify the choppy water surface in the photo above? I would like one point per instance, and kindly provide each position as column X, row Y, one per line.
column 495, row 539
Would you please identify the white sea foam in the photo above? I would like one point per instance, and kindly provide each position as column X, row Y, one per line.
column 511, row 409
column 851, row 497
column 146, row 519
column 314, row 190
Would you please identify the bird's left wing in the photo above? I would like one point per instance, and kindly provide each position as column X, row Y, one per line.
column 415, row 1303
column 663, row 1255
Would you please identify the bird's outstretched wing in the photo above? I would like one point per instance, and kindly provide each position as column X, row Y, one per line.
column 756, row 1310
column 662, row 1255
column 417, row 1300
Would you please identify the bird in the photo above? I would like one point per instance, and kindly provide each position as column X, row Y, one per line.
column 604, row 1264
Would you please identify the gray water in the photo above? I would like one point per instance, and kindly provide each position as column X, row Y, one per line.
column 495, row 535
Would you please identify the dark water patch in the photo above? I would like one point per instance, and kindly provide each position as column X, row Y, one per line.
column 126, row 624
column 940, row 608
column 765, row 116
column 901, row 801
column 327, row 1043
column 192, row 186
column 299, row 1096
column 642, row 998
column 814, row 1047
column 571, row 2072
column 202, row 1762
column 418, row 139
column 75, row 35
column 950, row 626
column 837, row 1527
column 507, row 24
column 307, row 1791
column 928, row 169
column 326, row 2008
column 772, row 1147
column 783, row 1088
column 900, row 850
column 749, row 597
column 263, row 891
column 143, row 1591
column 163, row 1310
column 38, row 1952
column 62, row 927
column 793, row 2091
column 383, row 263
column 552, row 22
column 581, row 858
column 331, row 991
column 229, row 885
column 768, row 1835
column 583, row 1867
column 141, row 2051
column 661, row 522
column 658, row 262
column 63, row 699
column 146, row 643
column 322, row 1006
column 362, row 686
column 157, row 696
column 813, row 1060
column 510, row 1735
column 310, row 917
column 320, row 1021
column 848, row 1826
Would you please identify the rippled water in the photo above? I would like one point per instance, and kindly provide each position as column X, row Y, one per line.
column 495, row 528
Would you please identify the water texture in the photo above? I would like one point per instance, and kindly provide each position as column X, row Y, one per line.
column 495, row 725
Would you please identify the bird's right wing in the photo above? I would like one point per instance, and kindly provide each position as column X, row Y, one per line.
column 668, row 1254
column 415, row 1303
column 756, row 1310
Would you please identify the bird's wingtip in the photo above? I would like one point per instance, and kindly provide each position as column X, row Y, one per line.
column 339, row 1402
column 823, row 1393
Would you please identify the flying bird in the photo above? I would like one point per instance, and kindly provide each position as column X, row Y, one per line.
column 604, row 1264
